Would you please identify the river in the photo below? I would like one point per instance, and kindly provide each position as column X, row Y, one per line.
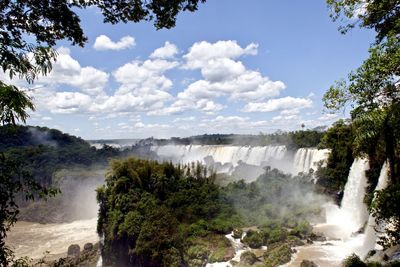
column 34, row 239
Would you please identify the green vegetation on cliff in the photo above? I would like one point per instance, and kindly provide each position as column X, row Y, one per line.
column 159, row 214
column 150, row 212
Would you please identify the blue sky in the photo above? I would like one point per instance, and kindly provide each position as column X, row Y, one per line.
column 234, row 66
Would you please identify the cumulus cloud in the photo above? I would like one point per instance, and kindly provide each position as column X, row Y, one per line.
column 285, row 103
column 68, row 71
column 103, row 42
column 69, row 102
column 202, row 52
column 142, row 87
column 144, row 76
column 169, row 50
column 223, row 76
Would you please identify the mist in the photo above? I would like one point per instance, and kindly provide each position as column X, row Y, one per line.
column 77, row 200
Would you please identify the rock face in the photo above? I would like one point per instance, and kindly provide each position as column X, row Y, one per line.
column 88, row 247
column 306, row 263
column 74, row 251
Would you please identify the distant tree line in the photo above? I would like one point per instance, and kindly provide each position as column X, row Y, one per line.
column 293, row 140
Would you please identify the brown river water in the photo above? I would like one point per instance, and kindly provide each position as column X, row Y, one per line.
column 34, row 239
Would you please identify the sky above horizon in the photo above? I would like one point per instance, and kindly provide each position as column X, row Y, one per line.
column 233, row 66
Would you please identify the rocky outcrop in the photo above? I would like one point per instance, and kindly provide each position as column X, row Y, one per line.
column 88, row 247
column 74, row 251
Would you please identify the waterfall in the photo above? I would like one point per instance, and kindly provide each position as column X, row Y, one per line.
column 99, row 262
column 223, row 154
column 308, row 158
column 370, row 233
column 353, row 213
column 341, row 223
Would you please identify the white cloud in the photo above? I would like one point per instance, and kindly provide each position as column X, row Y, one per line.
column 144, row 76
column 69, row 102
column 202, row 52
column 278, row 104
column 169, row 50
column 223, row 76
column 68, row 71
column 222, row 69
column 103, row 42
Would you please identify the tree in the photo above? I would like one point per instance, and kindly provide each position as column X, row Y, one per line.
column 13, row 104
column 381, row 15
column 373, row 91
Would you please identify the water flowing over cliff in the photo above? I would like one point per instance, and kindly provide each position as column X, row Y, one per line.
column 225, row 158
column 371, row 236
column 343, row 224
column 309, row 158
column 353, row 213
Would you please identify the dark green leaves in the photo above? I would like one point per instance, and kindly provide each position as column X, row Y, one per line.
column 14, row 104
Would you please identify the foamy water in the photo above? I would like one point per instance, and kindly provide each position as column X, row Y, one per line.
column 34, row 239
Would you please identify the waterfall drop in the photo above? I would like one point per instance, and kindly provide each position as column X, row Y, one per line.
column 353, row 213
column 371, row 235
column 309, row 158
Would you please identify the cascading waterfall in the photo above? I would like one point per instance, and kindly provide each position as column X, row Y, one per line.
column 233, row 155
column 309, row 158
column 353, row 213
column 341, row 223
column 370, row 233
column 229, row 156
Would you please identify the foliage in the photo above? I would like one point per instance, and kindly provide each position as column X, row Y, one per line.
column 353, row 261
column 13, row 104
column 339, row 139
column 383, row 16
column 144, row 203
column 294, row 140
column 149, row 208
column 277, row 255
column 386, row 209
column 248, row 257
column 45, row 151
column 253, row 239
